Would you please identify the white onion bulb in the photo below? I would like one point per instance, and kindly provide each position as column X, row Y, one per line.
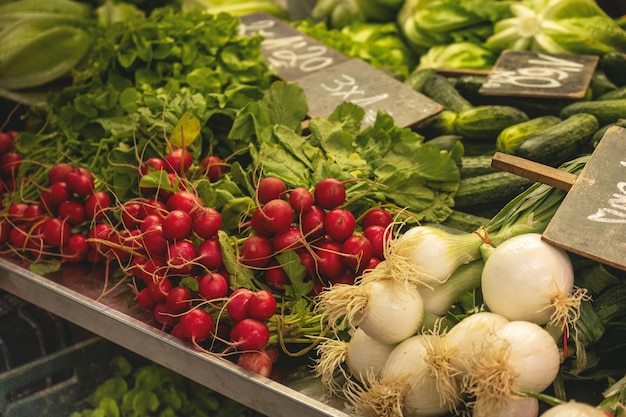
column 574, row 409
column 526, row 278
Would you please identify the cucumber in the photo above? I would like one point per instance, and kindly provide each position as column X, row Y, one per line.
column 475, row 165
column 618, row 93
column 418, row 78
column 489, row 189
column 486, row 122
column 443, row 92
column 613, row 64
column 606, row 111
column 441, row 123
column 466, row 222
column 561, row 142
column 468, row 86
column 511, row 137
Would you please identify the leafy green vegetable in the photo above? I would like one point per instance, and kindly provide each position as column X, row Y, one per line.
column 382, row 163
column 340, row 13
column 137, row 82
column 466, row 55
column 558, row 26
column 379, row 44
column 42, row 41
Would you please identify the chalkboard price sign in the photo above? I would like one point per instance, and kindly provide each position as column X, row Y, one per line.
column 288, row 51
column 357, row 82
column 535, row 74
column 591, row 220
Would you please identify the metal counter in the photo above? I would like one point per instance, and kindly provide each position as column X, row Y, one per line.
column 75, row 294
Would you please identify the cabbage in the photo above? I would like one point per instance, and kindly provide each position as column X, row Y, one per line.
column 558, row 26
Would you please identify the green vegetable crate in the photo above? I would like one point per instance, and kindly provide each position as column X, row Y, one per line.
column 67, row 376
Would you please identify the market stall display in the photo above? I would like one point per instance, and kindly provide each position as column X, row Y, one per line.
column 234, row 189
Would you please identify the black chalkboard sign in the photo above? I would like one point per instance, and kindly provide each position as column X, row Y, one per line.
column 288, row 51
column 591, row 220
column 535, row 74
column 357, row 82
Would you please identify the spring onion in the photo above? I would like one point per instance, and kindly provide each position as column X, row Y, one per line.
column 520, row 357
column 386, row 310
column 574, row 409
column 417, row 380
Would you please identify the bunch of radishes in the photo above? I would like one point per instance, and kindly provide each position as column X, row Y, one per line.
column 333, row 245
column 10, row 160
column 57, row 225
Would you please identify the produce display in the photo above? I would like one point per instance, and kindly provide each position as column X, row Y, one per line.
column 405, row 271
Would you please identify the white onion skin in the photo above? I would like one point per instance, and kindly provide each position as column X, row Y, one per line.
column 394, row 312
column 534, row 355
column 469, row 334
column 516, row 407
column 366, row 355
column 408, row 364
column 521, row 276
column 574, row 409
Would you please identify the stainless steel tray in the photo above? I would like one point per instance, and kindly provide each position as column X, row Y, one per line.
column 75, row 294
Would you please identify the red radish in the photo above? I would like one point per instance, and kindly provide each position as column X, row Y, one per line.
column 154, row 241
column 308, row 261
column 18, row 235
column 256, row 251
column 152, row 164
column 97, row 204
column 181, row 256
column 17, row 211
column 207, row 222
column 358, row 250
column 144, row 300
column 249, row 334
column 312, row 222
column 152, row 270
column 275, row 276
column 153, row 206
column 288, row 240
column 301, row 199
column 163, row 316
column 378, row 237
column 149, row 221
column 257, row 223
column 184, row 200
column 213, row 286
column 209, row 254
column 329, row 193
column 178, row 299
column 159, row 288
column 237, row 305
column 98, row 233
column 178, row 161
column 329, row 262
column 214, row 167
column 80, row 181
column 339, row 224
column 55, row 195
column 10, row 163
column 72, row 211
column 376, row 216
column 7, row 139
column 257, row 362
column 177, row 225
column 197, row 325
column 270, row 188
column 131, row 214
column 33, row 212
column 58, row 172
column 75, row 249
column 346, row 278
column 372, row 264
column 277, row 215
column 56, row 232
column 262, row 305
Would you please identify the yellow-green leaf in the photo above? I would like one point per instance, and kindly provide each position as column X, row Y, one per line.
column 186, row 131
